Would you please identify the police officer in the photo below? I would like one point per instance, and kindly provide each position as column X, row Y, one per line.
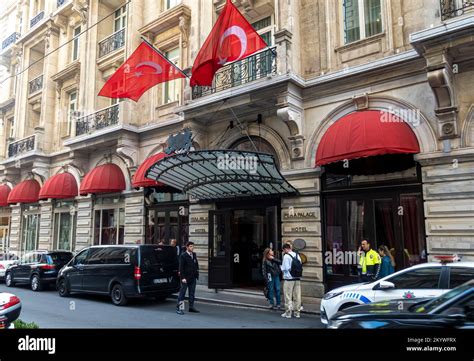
column 369, row 262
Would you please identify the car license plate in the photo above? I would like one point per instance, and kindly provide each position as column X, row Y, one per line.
column 160, row 280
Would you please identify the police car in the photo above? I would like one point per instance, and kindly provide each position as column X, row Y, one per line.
column 427, row 280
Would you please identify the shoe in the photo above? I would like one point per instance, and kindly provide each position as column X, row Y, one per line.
column 179, row 312
column 286, row 315
column 297, row 315
column 193, row 310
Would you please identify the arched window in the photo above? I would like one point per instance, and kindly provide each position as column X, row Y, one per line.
column 261, row 144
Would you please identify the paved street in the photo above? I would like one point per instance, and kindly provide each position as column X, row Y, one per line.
column 49, row 310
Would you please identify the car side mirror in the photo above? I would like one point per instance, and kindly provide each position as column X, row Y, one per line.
column 384, row 285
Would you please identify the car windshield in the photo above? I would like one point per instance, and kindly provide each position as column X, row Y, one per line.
column 431, row 305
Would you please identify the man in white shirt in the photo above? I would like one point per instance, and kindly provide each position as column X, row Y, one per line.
column 291, row 285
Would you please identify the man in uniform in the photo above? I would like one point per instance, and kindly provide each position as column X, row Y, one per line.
column 369, row 262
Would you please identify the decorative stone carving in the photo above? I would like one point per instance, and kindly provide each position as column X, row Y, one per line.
column 361, row 101
column 129, row 154
column 61, row 22
column 184, row 28
column 81, row 8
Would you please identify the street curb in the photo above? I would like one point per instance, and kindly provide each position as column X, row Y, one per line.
column 241, row 304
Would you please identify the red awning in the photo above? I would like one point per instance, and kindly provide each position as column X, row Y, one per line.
column 25, row 192
column 60, row 186
column 4, row 192
column 107, row 178
column 365, row 134
column 139, row 179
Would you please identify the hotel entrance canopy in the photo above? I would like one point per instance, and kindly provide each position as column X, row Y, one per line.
column 221, row 174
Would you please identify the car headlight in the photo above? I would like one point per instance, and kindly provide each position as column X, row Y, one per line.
column 330, row 295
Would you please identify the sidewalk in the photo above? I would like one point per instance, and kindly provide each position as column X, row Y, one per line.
column 246, row 298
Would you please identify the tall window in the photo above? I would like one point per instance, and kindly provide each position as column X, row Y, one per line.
column 362, row 19
column 168, row 4
column 264, row 28
column 109, row 226
column 172, row 89
column 72, row 113
column 11, row 127
column 120, row 21
column 64, row 226
column 75, row 44
column 30, row 232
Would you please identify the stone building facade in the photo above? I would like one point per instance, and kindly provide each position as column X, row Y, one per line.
column 325, row 61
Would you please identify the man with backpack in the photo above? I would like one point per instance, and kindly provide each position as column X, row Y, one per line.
column 292, row 269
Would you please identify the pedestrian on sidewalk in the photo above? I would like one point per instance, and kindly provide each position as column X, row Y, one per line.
column 271, row 272
column 292, row 269
column 189, row 274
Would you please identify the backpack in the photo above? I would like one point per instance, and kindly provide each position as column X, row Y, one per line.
column 296, row 270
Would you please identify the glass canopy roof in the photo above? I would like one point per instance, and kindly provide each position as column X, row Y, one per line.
column 221, row 174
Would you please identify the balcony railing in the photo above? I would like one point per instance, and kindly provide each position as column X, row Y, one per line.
column 453, row 8
column 10, row 40
column 38, row 17
column 36, row 85
column 244, row 71
column 61, row 3
column 99, row 120
column 113, row 42
column 21, row 146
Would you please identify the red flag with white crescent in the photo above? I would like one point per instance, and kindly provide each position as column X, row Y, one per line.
column 232, row 38
column 145, row 68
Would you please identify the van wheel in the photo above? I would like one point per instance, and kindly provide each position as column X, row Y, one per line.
column 118, row 296
column 36, row 283
column 9, row 280
column 62, row 288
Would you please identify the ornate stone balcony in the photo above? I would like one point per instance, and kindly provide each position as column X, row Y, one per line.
column 99, row 120
column 112, row 43
column 254, row 67
column 453, row 8
column 22, row 146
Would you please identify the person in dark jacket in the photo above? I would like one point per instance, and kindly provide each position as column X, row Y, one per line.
column 271, row 272
column 388, row 262
column 189, row 274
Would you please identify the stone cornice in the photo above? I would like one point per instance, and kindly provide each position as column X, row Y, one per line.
column 167, row 20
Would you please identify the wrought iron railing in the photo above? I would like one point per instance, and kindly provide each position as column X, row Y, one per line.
column 61, row 3
column 453, row 8
column 21, row 146
column 99, row 120
column 36, row 85
column 113, row 42
column 253, row 67
column 38, row 17
column 10, row 40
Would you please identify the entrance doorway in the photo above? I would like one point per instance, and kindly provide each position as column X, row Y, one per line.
column 237, row 238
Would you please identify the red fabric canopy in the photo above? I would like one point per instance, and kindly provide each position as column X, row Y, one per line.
column 60, row 186
column 4, row 192
column 107, row 178
column 365, row 134
column 25, row 192
column 139, row 179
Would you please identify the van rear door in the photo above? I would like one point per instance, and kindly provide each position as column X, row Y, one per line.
column 159, row 268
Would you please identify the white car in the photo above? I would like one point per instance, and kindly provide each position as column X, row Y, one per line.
column 425, row 280
column 10, row 309
column 5, row 262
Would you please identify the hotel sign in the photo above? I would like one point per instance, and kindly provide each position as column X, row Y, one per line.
column 293, row 214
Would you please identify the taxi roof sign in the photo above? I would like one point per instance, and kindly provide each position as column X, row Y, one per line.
column 448, row 258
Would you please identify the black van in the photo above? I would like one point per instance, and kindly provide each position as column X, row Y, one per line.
column 122, row 271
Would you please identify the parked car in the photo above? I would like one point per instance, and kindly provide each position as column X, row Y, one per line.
column 426, row 280
column 37, row 268
column 453, row 309
column 122, row 271
column 10, row 308
column 6, row 259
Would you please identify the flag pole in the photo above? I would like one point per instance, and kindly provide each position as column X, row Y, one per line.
column 159, row 52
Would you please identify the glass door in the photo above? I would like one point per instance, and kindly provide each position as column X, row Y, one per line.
column 219, row 249
column 31, row 232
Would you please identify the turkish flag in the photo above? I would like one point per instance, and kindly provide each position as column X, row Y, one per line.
column 232, row 38
column 145, row 68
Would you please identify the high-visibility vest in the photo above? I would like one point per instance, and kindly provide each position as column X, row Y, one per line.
column 370, row 258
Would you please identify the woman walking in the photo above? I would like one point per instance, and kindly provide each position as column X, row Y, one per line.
column 387, row 266
column 271, row 272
